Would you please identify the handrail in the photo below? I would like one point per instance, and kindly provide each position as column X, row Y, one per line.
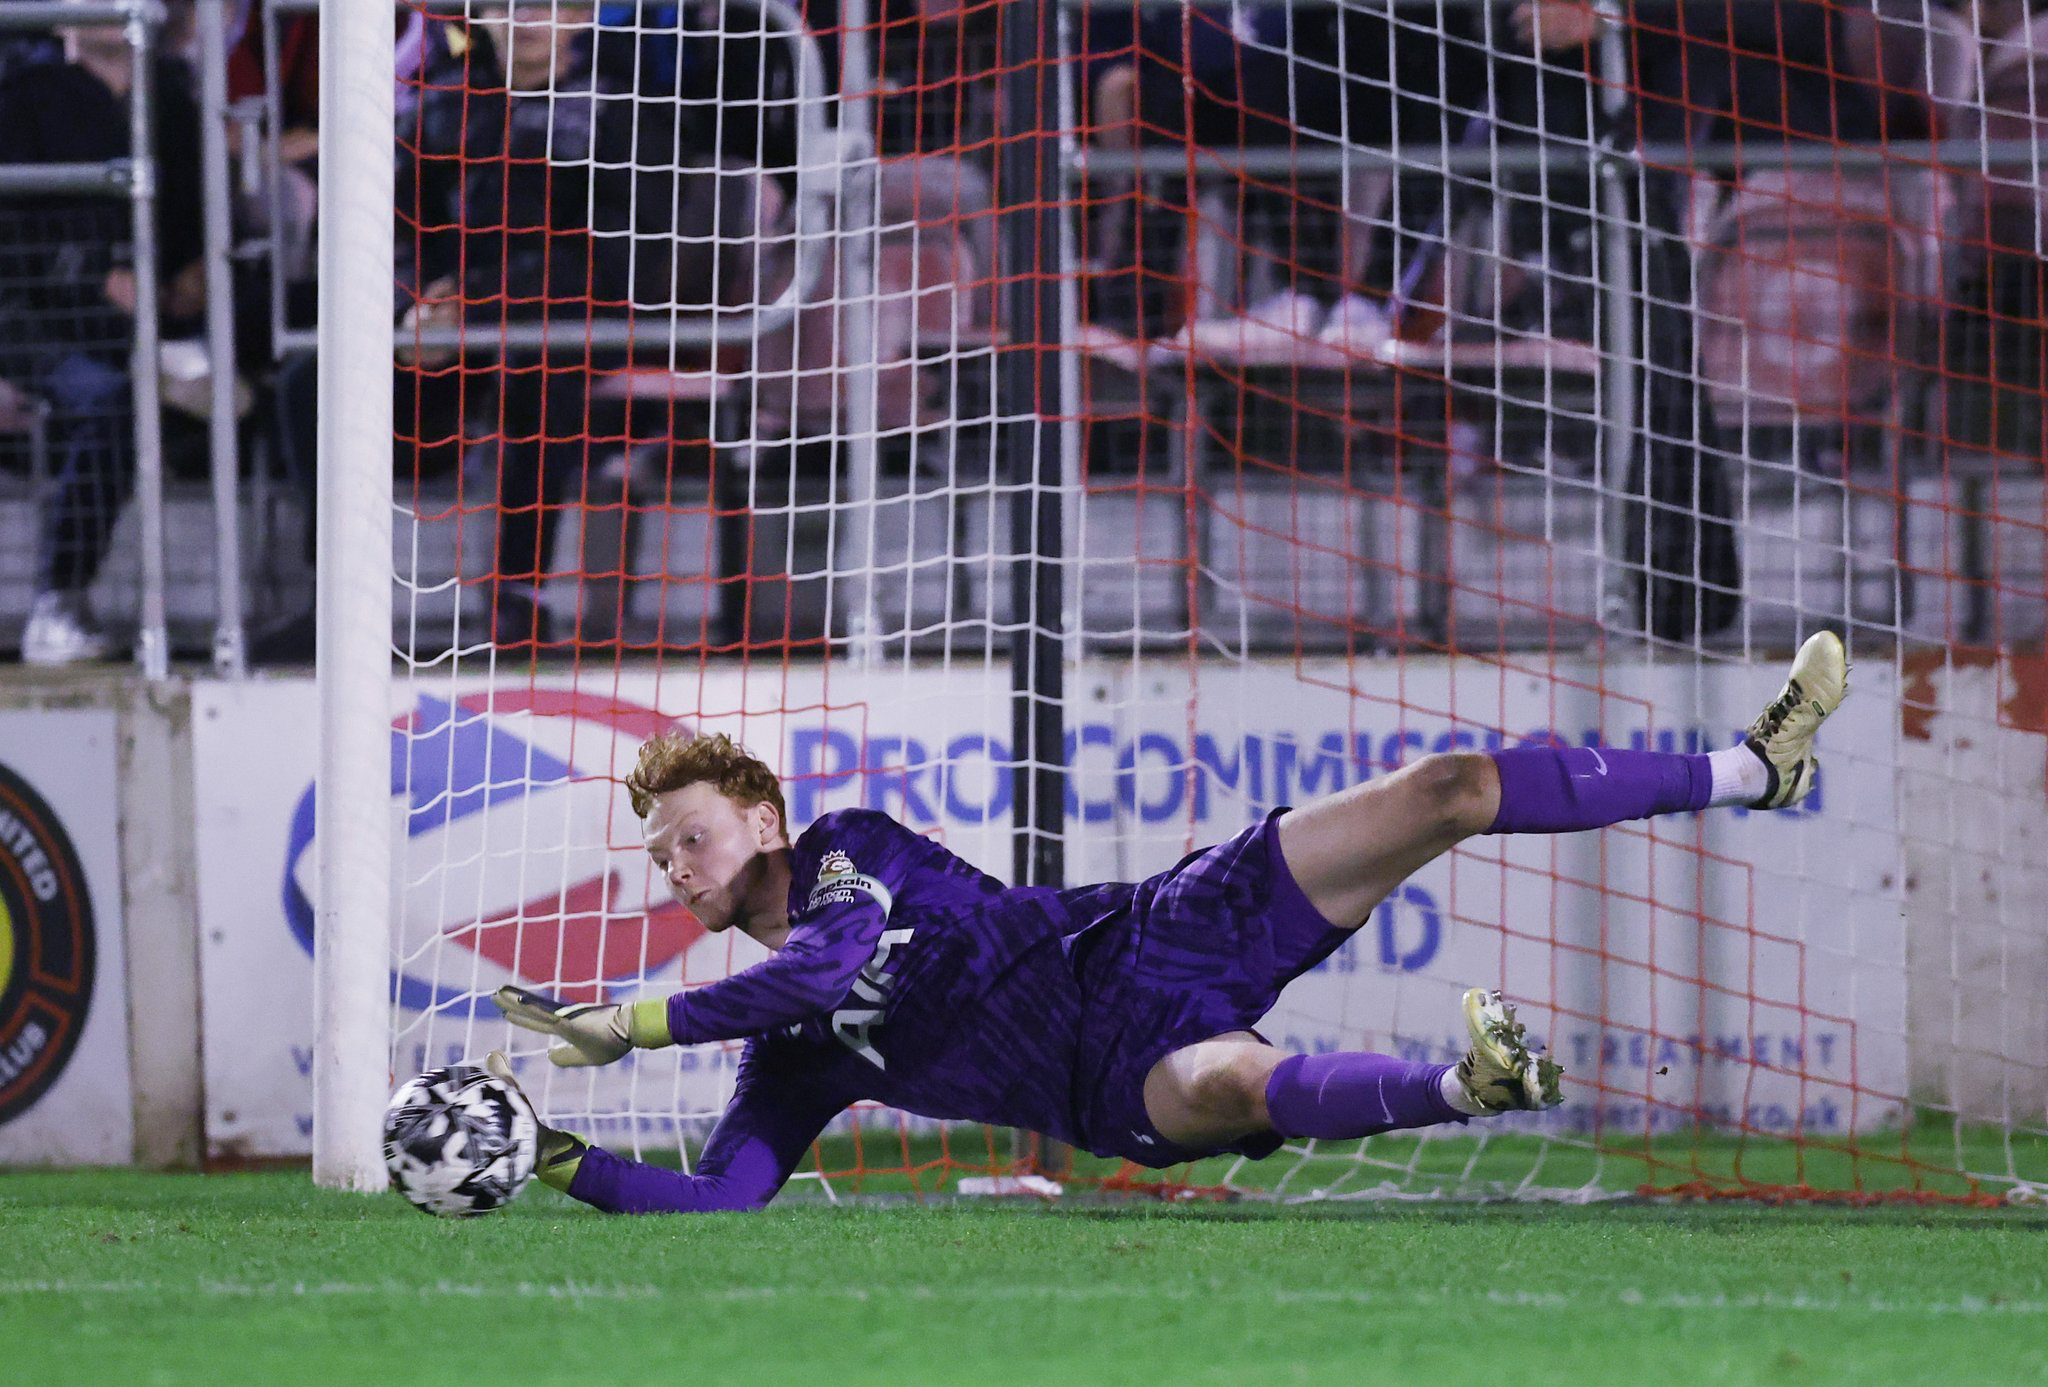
column 114, row 178
column 45, row 14
column 1535, row 152
column 132, row 179
column 221, row 424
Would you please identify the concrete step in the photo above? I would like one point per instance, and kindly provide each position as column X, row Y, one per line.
column 1281, row 563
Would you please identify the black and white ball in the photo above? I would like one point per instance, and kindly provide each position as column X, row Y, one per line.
column 459, row 1141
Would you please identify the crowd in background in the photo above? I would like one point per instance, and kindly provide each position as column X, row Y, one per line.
column 562, row 164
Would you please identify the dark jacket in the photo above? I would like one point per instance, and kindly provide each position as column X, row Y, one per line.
column 1755, row 70
column 56, row 251
column 542, row 203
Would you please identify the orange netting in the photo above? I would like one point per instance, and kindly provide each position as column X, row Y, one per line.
column 1430, row 377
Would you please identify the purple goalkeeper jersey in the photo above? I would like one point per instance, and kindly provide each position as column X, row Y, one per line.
column 913, row 980
column 909, row 978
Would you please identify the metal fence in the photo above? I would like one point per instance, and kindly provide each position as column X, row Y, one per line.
column 1546, row 424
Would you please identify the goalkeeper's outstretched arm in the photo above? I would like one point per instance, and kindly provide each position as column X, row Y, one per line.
column 777, row 1111
column 821, row 952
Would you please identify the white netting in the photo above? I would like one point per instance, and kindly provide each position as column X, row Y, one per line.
column 1411, row 390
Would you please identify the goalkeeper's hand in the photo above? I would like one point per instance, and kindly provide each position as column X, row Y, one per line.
column 586, row 1033
column 556, row 1153
column 500, row 1068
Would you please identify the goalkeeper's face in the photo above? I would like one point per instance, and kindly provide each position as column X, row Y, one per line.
column 715, row 852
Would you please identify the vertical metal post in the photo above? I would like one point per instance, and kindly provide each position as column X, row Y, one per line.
column 857, row 213
column 1028, row 198
column 153, row 641
column 1619, row 243
column 223, row 428
column 273, row 164
column 1073, row 428
column 352, row 795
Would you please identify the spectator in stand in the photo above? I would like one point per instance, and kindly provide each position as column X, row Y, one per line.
column 532, row 191
column 1273, row 78
column 646, row 56
column 1760, row 72
column 68, row 302
column 1407, row 76
column 427, row 404
column 298, row 74
column 1150, row 82
column 23, row 47
column 713, row 55
column 295, row 202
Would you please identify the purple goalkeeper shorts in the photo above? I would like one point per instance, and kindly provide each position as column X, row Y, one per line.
column 1204, row 948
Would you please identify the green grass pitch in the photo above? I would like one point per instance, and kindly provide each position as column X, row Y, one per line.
column 122, row 1277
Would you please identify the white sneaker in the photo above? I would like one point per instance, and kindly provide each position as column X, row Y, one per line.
column 1499, row 1073
column 1290, row 312
column 57, row 634
column 1783, row 733
column 1358, row 326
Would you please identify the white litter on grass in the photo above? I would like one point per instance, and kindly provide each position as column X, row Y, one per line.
column 1005, row 1186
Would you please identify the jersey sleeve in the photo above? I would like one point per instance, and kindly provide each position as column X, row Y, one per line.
column 853, row 864
column 778, row 1108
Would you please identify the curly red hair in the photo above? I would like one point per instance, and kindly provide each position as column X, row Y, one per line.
column 673, row 759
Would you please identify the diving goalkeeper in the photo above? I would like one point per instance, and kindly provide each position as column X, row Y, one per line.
column 1118, row 1017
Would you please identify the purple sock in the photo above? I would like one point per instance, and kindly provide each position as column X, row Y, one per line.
column 1355, row 1095
column 1552, row 790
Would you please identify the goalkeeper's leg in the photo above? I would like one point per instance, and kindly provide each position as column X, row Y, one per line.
column 1348, row 850
column 1222, row 1090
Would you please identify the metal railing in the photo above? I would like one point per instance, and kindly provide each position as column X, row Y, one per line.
column 830, row 208
column 1615, row 163
column 135, row 179
column 819, row 158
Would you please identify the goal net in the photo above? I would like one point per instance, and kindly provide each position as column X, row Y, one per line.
column 1078, row 430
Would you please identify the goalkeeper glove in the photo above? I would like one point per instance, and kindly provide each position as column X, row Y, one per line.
column 557, row 1153
column 586, row 1033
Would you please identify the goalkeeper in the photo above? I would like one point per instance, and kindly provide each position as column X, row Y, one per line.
column 1116, row 1017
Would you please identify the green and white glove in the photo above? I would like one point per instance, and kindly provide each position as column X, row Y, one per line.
column 557, row 1152
column 586, row 1033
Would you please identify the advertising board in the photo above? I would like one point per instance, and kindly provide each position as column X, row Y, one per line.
column 64, row 1071
column 1742, row 964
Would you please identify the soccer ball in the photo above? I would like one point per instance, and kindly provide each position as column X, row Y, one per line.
column 459, row 1141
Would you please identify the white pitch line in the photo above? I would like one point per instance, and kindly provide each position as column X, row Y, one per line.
column 526, row 1290
column 1626, row 1297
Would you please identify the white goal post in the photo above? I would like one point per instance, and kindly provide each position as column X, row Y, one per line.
column 353, row 872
